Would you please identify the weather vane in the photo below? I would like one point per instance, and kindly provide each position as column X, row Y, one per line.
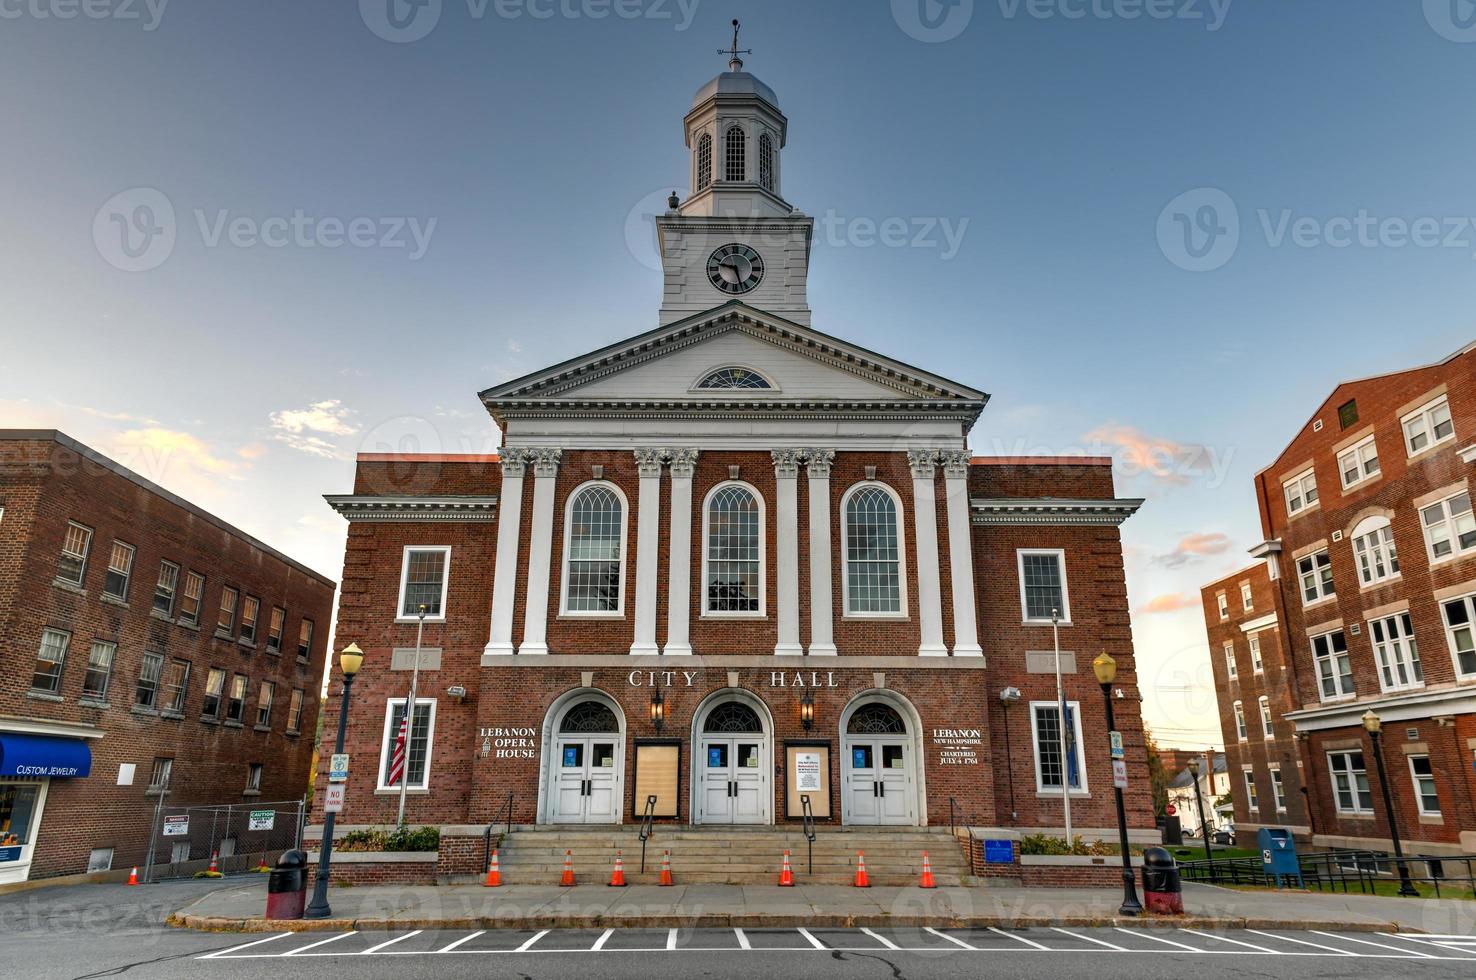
column 735, row 63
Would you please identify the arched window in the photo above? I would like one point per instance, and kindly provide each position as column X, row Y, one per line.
column 1373, row 548
column 594, row 550
column 704, row 161
column 733, row 559
column 589, row 718
column 732, row 718
column 731, row 378
column 876, row 719
column 735, row 154
column 766, row 162
column 873, row 552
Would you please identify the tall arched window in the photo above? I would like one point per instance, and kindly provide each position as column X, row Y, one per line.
column 1373, row 548
column 734, row 154
column 594, row 555
column 704, row 161
column 733, row 556
column 873, row 551
column 766, row 162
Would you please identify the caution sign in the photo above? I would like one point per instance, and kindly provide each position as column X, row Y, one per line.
column 177, row 825
column 261, row 820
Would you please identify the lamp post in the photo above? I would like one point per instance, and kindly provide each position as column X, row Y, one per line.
column 658, row 710
column 1199, row 804
column 807, row 710
column 1375, row 727
column 349, row 661
column 1106, row 670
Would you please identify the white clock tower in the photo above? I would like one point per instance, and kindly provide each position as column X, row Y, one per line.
column 735, row 237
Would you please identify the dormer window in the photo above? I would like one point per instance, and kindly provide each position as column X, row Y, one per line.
column 735, row 154
column 733, row 378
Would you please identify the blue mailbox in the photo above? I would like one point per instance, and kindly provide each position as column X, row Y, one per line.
column 1279, row 855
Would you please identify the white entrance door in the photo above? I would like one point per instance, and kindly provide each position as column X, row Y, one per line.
column 732, row 767
column 585, row 788
column 879, row 778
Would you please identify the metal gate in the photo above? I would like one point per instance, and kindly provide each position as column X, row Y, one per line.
column 239, row 836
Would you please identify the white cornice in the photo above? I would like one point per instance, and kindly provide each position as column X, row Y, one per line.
column 1052, row 510
column 357, row 507
column 1405, row 706
column 1266, row 622
column 40, row 726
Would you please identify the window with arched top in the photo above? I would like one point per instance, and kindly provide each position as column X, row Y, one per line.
column 872, row 577
column 735, row 154
column 1374, row 550
column 766, row 162
column 733, row 550
column 594, row 550
column 589, row 718
column 876, row 719
column 704, row 161
column 732, row 718
column 733, row 379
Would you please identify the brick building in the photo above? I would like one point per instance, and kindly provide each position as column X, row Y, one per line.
column 154, row 648
column 1366, row 596
column 732, row 562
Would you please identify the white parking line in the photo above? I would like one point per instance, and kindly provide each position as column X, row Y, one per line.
column 1027, row 942
column 1414, row 953
column 529, row 944
column 1148, row 934
column 604, row 938
column 671, row 939
column 389, row 942
column 1460, row 943
column 1227, row 939
column 463, row 939
column 320, row 942
column 813, row 941
column 742, row 939
column 1089, row 939
column 1289, row 939
column 881, row 939
column 951, row 939
column 254, row 942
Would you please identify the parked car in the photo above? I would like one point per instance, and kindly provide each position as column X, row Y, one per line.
column 1225, row 835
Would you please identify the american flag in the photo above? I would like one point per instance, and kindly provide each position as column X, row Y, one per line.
column 397, row 759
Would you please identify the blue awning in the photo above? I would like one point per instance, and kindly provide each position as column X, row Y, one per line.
column 43, row 755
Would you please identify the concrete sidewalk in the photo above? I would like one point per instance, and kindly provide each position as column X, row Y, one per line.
column 240, row 908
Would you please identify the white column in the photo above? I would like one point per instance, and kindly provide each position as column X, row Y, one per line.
column 679, row 555
column 540, row 550
column 786, row 532
column 925, row 518
column 822, row 608
column 505, row 571
column 961, row 555
column 648, row 537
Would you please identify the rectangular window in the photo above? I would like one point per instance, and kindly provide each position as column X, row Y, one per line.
column 176, row 684
column 1043, row 585
column 146, row 695
column 1278, row 790
column 1231, row 671
column 1449, row 527
column 236, row 704
column 1315, row 574
column 160, row 774
column 423, row 582
column 1251, row 799
column 1428, row 426
column 1378, row 559
column 72, row 567
column 1334, row 669
column 49, row 661
column 250, row 608
column 1045, row 718
column 226, row 622
column 1359, row 462
column 1301, row 492
column 120, row 568
column 1348, row 414
column 294, row 711
column 1246, row 602
column 214, row 690
column 189, row 603
column 253, row 777
column 99, row 670
column 274, row 630
column 1423, row 775
column 1257, row 664
column 164, row 591
column 1396, row 652
column 1350, row 782
column 1268, row 730
column 1241, row 732
column 264, row 699
column 1460, row 614
column 305, row 640
column 1224, row 605
column 417, row 762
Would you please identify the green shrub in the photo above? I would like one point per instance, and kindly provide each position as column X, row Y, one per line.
column 400, row 839
column 1047, row 844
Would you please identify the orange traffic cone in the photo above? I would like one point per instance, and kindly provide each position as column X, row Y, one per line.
column 666, row 868
column 927, row 875
column 617, row 878
column 861, row 880
column 494, row 873
column 786, row 874
column 215, row 862
column 133, row 876
column 568, row 879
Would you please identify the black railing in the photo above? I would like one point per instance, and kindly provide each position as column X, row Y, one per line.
column 1346, row 871
column 647, row 818
column 809, row 829
column 487, row 834
column 970, row 843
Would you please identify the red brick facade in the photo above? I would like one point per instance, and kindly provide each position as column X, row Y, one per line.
column 46, row 481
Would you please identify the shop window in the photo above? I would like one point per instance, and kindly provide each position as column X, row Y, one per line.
column 17, row 810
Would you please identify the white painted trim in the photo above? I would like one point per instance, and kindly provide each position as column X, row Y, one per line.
column 1355, row 450
column 763, row 561
column 766, row 741
column 540, row 548
column 929, row 587
column 387, row 745
column 1060, row 554
column 822, row 566
column 912, row 741
column 549, row 750
column 400, row 616
column 679, row 569
column 1425, row 409
column 619, row 612
column 845, row 555
column 1055, row 791
column 1415, row 785
column 505, row 571
column 739, row 392
column 786, row 553
column 648, row 537
column 961, row 567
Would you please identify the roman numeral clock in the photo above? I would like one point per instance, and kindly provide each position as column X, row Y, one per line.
column 735, row 269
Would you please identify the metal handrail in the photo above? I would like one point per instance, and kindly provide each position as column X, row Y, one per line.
column 487, row 834
column 1345, row 870
column 809, row 828
column 955, row 813
column 647, row 819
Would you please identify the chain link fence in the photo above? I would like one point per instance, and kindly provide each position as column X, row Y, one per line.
column 240, row 837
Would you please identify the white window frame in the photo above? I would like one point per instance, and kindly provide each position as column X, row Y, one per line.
column 1055, row 791
column 1247, row 598
column 126, row 571
column 1232, row 670
column 1325, row 589
column 1258, row 662
column 81, row 559
column 1415, row 778
column 1268, row 724
column 254, row 773
column 172, row 589
column 1363, row 458
column 445, row 549
column 1373, row 538
column 845, row 553
column 61, row 661
column 111, row 650
column 1065, row 612
column 1242, row 732
column 387, row 746
column 1425, row 414
column 1224, row 603
column 619, row 611
column 1448, row 521
column 1399, row 649
column 1332, row 658
column 1358, row 808
column 1469, row 603
column 1278, row 787
column 1252, row 797
column 763, row 552
column 1297, row 488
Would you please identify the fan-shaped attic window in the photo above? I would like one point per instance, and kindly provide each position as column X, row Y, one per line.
column 731, row 378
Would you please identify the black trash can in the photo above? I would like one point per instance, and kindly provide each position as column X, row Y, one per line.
column 1161, row 886
column 287, row 886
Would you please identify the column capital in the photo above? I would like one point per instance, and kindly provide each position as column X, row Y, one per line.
column 787, row 463
column 648, row 462
column 545, row 461
column 923, row 463
column 683, row 462
column 818, row 463
column 955, row 464
column 514, row 462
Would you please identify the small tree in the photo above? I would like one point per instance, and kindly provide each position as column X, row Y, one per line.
column 1158, row 775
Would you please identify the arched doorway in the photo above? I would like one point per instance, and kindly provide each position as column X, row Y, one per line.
column 732, row 761
column 880, row 777
column 586, row 765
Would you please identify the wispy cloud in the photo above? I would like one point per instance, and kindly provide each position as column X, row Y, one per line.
column 110, row 416
column 1193, row 547
column 305, row 429
column 171, row 458
column 1137, row 453
column 1170, row 603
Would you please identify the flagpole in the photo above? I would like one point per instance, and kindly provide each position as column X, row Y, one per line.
column 410, row 716
column 1061, row 709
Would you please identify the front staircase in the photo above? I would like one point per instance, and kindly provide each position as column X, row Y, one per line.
column 731, row 855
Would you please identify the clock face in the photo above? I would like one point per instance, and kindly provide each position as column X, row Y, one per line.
column 735, row 269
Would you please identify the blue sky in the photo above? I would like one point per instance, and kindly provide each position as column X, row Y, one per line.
column 499, row 167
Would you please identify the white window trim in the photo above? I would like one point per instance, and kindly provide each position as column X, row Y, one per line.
column 1265, row 717
column 1456, row 551
column 1055, row 791
column 619, row 611
column 1223, row 602
column 1060, row 554
column 845, row 554
column 1242, row 729
column 1414, row 782
column 1297, row 482
column 1450, row 644
column 1278, row 787
column 387, row 746
column 1408, row 644
column 1317, row 578
column 1426, row 409
column 763, row 553
column 85, row 558
column 1258, row 660
column 1232, row 669
column 404, row 580
column 1372, row 527
column 1332, row 776
column 1252, row 795
column 1247, row 598
column 1364, row 476
column 1332, row 655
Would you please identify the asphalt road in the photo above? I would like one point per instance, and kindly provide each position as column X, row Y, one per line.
column 109, row 930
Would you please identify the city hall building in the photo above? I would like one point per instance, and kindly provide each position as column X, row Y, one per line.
column 732, row 564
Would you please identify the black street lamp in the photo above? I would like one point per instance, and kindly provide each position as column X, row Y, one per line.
column 1375, row 728
column 658, row 710
column 1106, row 670
column 1204, row 829
column 807, row 710
column 349, row 661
